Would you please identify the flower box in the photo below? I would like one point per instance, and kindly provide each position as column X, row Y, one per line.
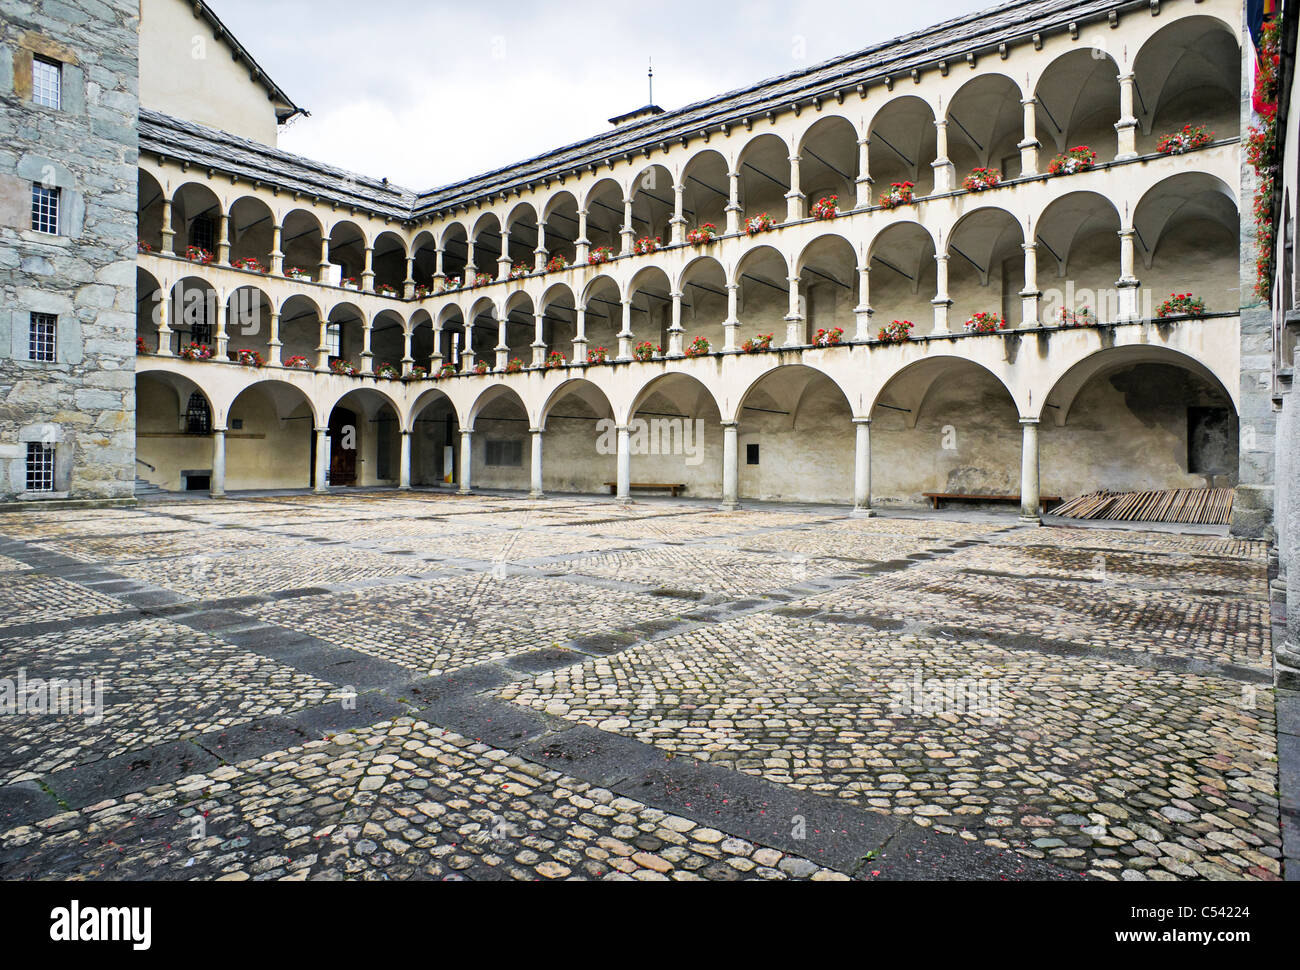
column 297, row 363
column 388, row 372
column 827, row 207
column 481, row 368
column 421, row 291
column 195, row 352
column 985, row 323
column 449, row 283
column 447, row 370
column 759, row 223
column 1181, row 305
column 896, row 332
column 514, row 366
column 1082, row 317
column 1186, row 139
column 520, row 270
column 601, row 254
column 417, row 374
column 196, row 254
column 981, row 179
column 646, row 350
column 828, row 338
column 294, row 273
column 899, row 194
column 344, row 368
column 1078, row 159
column 646, row 245
column 555, row 359
column 385, row 290
column 756, row 345
column 143, row 247
column 597, row 355
column 556, row 263
column 249, row 358
column 482, row 279
column 250, row 264
column 702, row 234
column 140, row 347
column 350, row 283
column 699, row 347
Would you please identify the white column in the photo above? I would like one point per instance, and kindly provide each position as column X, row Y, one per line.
column 941, row 301
column 322, row 348
column 539, row 339
column 322, row 442
column 580, row 335
column 466, row 461
column 625, row 336
column 862, row 312
column 537, row 464
column 438, row 273
column 273, row 342
column 864, row 181
column 1128, row 283
column 1029, row 144
column 408, row 290
column 217, row 487
column 731, row 326
column 404, row 467
column 730, row 464
column 624, row 484
column 1029, row 311
column 1126, row 127
column 223, row 339
column 675, row 338
column 678, row 223
column 794, row 319
column 582, row 245
column 470, row 268
column 164, row 331
column 223, row 240
column 277, row 254
column 503, row 346
column 367, row 355
column 324, row 263
column 627, row 233
column 945, row 175
column 368, row 273
column 1029, row 510
column 794, row 198
column 168, row 233
column 862, row 469
column 539, row 254
column 733, row 203
column 503, row 261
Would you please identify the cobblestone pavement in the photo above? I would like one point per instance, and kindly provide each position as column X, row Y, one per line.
column 384, row 685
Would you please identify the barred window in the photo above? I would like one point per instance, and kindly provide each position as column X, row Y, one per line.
column 198, row 417
column 40, row 467
column 47, row 82
column 504, row 454
column 45, row 209
column 43, row 337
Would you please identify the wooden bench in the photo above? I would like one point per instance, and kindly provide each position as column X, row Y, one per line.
column 645, row 486
column 937, row 497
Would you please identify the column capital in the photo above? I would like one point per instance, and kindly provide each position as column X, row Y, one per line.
column 731, row 424
column 863, row 421
column 1030, row 422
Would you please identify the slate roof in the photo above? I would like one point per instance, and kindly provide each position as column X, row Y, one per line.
column 951, row 41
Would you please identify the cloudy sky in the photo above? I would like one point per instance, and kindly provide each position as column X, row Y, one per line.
column 426, row 93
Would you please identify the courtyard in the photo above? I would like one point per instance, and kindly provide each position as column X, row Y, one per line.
column 415, row 685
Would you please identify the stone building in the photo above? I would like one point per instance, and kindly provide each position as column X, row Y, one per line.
column 583, row 320
column 68, row 158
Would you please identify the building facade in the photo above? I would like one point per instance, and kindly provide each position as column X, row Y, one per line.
column 676, row 301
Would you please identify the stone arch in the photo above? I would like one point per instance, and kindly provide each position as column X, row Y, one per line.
column 706, row 190
column 828, row 162
column 1188, row 72
column 764, row 167
column 1078, row 103
column 985, row 125
column 904, row 144
column 1187, row 238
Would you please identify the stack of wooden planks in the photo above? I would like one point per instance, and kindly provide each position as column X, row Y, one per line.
column 1200, row 506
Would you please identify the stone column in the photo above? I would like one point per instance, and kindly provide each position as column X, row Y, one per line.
column 862, row 469
column 1128, row 123
column 540, row 254
column 794, row 319
column 675, row 333
column 322, row 442
column 733, row 203
column 368, row 274
column 408, row 290
column 404, row 468
column 864, row 180
column 624, row 477
column 168, row 233
column 470, row 268
column 223, row 240
column 536, row 491
column 466, row 461
column 862, row 312
column 1127, row 284
column 164, row 331
column 731, row 326
column 1029, row 311
column 503, row 261
column 503, row 344
column 324, row 265
column 945, row 175
column 323, row 348
column 277, row 254
column 1029, row 508
column 407, row 360
column 467, row 348
column 730, row 464
column 539, row 339
column 223, row 338
column 941, row 301
column 367, row 355
column 627, row 233
column 273, row 342
column 217, row 486
column 582, row 245
column 439, row 275
column 678, row 222
column 625, row 336
column 580, row 335
column 1029, row 144
column 794, row 198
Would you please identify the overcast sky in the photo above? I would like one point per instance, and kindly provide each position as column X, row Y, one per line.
column 426, row 94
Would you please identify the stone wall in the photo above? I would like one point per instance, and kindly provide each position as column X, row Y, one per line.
column 84, row 402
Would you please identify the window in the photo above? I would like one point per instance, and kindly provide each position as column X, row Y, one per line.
column 203, row 233
column 45, row 209
column 751, row 454
column 334, row 339
column 198, row 417
column 40, row 467
column 42, row 337
column 504, row 454
column 47, row 82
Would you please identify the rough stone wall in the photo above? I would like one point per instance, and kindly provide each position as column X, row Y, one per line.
column 84, row 402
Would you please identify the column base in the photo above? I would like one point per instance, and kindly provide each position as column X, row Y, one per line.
column 464, row 491
column 537, row 495
column 1030, row 520
column 220, row 494
column 729, row 506
column 867, row 513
